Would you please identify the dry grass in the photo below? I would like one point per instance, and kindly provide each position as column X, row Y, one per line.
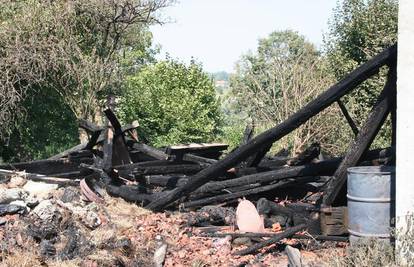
column 379, row 253
column 122, row 213
column 21, row 258
column 365, row 254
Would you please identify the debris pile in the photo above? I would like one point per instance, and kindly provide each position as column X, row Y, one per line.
column 67, row 202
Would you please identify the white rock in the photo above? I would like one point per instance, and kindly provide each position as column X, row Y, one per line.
column 20, row 203
column 45, row 210
column 159, row 254
column 9, row 195
column 91, row 219
column 40, row 190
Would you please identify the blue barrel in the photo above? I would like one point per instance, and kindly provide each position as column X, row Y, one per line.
column 371, row 206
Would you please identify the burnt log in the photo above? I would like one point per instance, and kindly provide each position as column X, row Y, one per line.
column 285, row 234
column 67, row 152
column 171, row 181
column 254, row 191
column 151, row 151
column 47, row 167
column 198, row 159
column 168, row 169
column 260, row 235
column 324, row 100
column 130, row 193
column 315, row 169
column 41, row 178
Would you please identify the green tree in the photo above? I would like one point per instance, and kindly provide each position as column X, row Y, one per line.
column 80, row 49
column 358, row 31
column 173, row 102
column 281, row 76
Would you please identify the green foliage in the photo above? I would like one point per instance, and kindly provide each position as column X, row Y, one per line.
column 358, row 31
column 173, row 103
column 48, row 128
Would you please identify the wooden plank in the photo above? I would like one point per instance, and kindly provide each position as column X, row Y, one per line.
column 321, row 102
column 364, row 139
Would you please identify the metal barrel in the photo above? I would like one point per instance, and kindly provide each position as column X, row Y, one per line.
column 371, row 208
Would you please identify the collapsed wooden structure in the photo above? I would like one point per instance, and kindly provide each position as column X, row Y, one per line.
column 191, row 176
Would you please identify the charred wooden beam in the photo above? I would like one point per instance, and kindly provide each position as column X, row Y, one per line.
column 120, row 153
column 130, row 193
column 204, row 150
column 364, row 139
column 257, row 158
column 114, row 121
column 168, row 169
column 315, row 169
column 287, row 233
column 304, row 114
column 151, row 151
column 198, row 159
column 67, row 152
column 107, row 149
column 232, row 196
column 169, row 181
column 89, row 126
column 228, row 190
column 45, row 166
column 296, row 236
column 41, row 178
column 153, row 163
column 348, row 117
column 93, row 140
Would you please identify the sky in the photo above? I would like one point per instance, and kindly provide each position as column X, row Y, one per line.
column 217, row 32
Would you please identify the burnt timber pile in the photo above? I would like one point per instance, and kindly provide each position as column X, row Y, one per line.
column 193, row 176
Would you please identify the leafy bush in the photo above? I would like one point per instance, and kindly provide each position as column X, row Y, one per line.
column 173, row 102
